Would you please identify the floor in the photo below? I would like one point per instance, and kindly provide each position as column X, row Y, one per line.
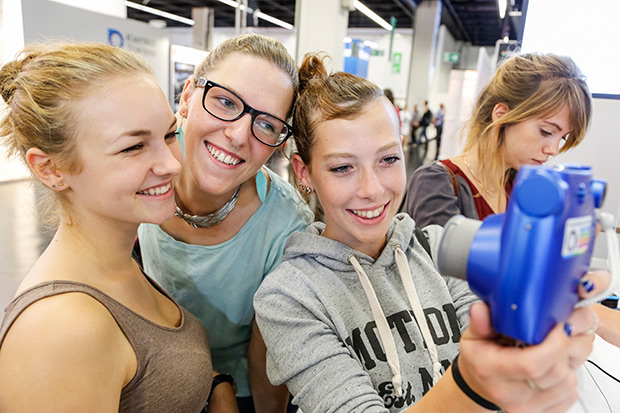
column 22, row 239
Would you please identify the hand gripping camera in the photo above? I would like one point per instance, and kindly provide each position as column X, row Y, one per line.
column 526, row 263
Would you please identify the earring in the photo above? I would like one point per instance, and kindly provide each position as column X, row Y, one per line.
column 53, row 186
column 305, row 188
column 60, row 184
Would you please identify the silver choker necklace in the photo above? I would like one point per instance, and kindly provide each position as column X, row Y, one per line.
column 211, row 219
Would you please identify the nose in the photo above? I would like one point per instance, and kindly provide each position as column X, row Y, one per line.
column 552, row 147
column 239, row 131
column 168, row 160
column 369, row 185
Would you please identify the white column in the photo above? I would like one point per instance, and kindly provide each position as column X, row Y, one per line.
column 426, row 29
column 321, row 26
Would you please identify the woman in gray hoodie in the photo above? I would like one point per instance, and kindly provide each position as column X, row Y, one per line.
column 356, row 317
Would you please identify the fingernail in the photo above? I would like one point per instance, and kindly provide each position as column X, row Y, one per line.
column 588, row 285
column 568, row 329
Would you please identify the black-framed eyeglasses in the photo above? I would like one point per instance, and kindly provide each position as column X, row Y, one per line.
column 224, row 104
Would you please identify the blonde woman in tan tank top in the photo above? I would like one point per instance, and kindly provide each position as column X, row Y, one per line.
column 87, row 330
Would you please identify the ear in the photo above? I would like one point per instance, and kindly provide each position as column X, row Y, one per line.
column 185, row 97
column 499, row 110
column 301, row 170
column 42, row 166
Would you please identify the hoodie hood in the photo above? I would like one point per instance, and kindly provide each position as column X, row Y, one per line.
column 334, row 254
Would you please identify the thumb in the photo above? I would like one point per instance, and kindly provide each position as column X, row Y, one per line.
column 480, row 322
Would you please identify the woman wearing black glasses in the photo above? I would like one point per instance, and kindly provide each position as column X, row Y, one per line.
column 233, row 215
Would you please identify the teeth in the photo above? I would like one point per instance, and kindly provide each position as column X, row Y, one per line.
column 156, row 191
column 369, row 214
column 222, row 157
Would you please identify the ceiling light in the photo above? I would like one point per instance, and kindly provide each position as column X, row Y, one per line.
column 371, row 15
column 259, row 14
column 501, row 4
column 273, row 20
column 159, row 13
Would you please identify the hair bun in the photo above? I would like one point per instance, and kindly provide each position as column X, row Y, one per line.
column 9, row 73
column 312, row 67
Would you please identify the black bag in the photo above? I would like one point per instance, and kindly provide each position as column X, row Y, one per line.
column 426, row 118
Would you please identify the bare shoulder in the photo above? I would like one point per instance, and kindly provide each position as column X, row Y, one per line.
column 67, row 341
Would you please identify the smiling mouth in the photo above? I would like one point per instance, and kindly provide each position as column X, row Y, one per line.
column 223, row 157
column 368, row 214
column 156, row 191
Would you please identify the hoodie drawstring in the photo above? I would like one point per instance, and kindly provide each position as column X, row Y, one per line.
column 383, row 327
column 418, row 313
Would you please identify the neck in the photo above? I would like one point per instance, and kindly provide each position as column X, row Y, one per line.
column 101, row 245
column 483, row 178
column 193, row 200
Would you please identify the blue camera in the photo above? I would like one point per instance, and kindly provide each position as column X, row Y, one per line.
column 526, row 263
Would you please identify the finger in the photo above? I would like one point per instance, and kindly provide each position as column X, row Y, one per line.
column 583, row 321
column 593, row 283
column 579, row 350
column 547, row 362
column 562, row 396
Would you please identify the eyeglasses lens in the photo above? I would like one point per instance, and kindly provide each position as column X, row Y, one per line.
column 226, row 106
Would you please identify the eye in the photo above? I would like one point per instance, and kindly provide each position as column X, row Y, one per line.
column 266, row 126
column 172, row 136
column 391, row 159
column 133, row 148
column 341, row 169
column 227, row 103
column 546, row 133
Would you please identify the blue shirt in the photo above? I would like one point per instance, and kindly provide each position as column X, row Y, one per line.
column 217, row 283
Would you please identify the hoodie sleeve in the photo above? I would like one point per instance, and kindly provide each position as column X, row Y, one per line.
column 305, row 352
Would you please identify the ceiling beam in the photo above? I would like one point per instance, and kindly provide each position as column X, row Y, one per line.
column 455, row 17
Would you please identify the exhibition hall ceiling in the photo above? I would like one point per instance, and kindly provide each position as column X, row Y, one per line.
column 474, row 21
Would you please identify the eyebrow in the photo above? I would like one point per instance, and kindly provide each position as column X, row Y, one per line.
column 552, row 124
column 143, row 132
column 350, row 155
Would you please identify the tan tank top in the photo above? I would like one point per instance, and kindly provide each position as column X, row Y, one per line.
column 174, row 364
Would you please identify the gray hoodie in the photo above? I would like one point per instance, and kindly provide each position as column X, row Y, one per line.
column 323, row 339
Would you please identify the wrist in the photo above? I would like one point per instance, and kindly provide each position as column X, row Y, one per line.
column 469, row 392
column 221, row 379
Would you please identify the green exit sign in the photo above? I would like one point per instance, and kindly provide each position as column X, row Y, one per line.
column 452, row 57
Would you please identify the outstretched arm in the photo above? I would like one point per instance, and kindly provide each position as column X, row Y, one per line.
column 538, row 378
column 267, row 397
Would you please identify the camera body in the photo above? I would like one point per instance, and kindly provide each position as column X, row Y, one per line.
column 526, row 263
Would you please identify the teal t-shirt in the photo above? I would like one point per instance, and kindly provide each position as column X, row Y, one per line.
column 217, row 283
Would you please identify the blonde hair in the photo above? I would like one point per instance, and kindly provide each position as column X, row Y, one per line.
column 262, row 47
column 530, row 85
column 41, row 88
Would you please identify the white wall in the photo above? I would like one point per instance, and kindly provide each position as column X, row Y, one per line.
column 380, row 68
column 600, row 150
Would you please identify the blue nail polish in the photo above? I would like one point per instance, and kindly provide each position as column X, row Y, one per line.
column 568, row 329
column 588, row 285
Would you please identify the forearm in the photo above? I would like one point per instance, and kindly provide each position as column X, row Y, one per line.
column 446, row 397
column 222, row 398
column 267, row 398
column 609, row 326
